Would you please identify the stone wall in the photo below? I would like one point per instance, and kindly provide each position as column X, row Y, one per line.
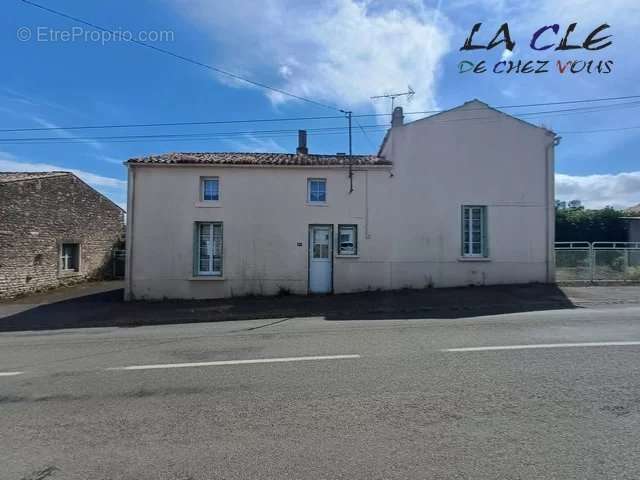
column 37, row 215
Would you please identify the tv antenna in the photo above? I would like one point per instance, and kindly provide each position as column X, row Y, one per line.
column 409, row 94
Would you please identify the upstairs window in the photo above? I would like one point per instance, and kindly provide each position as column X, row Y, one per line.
column 209, row 189
column 317, row 190
column 70, row 257
column 474, row 231
column 347, row 239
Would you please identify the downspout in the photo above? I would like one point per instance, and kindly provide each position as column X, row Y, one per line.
column 550, row 204
column 131, row 182
column 366, row 204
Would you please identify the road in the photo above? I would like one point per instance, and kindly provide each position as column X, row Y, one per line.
column 381, row 399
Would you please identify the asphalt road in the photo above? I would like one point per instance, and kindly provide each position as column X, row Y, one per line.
column 387, row 400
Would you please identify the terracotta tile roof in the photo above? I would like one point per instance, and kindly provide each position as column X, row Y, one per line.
column 19, row 176
column 264, row 159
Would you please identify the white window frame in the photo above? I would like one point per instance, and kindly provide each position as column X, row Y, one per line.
column 467, row 231
column 203, row 180
column 309, row 182
column 210, row 272
column 64, row 259
column 354, row 228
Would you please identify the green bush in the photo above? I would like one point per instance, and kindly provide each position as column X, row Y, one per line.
column 580, row 225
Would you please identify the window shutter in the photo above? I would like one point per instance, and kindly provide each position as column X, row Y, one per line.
column 196, row 242
column 462, row 231
column 485, row 236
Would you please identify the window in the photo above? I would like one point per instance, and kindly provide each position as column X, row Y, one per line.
column 347, row 239
column 317, row 190
column 209, row 189
column 474, row 231
column 208, row 249
column 70, row 257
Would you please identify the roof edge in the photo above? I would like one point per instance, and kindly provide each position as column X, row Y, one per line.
column 489, row 107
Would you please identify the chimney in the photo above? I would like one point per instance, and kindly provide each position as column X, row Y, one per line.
column 302, row 143
column 397, row 118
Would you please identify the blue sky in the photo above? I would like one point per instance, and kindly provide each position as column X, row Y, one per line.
column 339, row 52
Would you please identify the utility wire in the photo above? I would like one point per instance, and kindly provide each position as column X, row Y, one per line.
column 478, row 119
column 598, row 130
column 329, row 117
column 170, row 124
column 233, row 137
column 180, row 135
column 185, row 59
column 365, row 134
column 257, row 135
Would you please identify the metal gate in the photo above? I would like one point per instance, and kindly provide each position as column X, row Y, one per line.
column 597, row 261
column 118, row 262
column 573, row 261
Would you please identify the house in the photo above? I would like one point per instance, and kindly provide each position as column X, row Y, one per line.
column 633, row 226
column 632, row 220
column 54, row 230
column 464, row 197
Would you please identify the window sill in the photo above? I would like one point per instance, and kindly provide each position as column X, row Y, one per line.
column 208, row 204
column 316, row 204
column 474, row 259
column 347, row 256
column 68, row 273
column 206, row 278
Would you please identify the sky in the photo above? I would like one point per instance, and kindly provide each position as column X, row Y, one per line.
column 61, row 74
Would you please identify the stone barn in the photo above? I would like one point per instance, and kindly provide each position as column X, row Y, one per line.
column 54, row 230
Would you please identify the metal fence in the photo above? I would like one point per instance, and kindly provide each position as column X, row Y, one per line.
column 597, row 261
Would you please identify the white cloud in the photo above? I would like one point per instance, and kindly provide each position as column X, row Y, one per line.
column 340, row 52
column 30, row 101
column 506, row 54
column 65, row 133
column 114, row 188
column 620, row 190
column 109, row 159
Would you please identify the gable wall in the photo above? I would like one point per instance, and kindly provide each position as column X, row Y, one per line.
column 36, row 216
column 443, row 163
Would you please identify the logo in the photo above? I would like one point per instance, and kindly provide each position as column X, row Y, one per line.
column 544, row 39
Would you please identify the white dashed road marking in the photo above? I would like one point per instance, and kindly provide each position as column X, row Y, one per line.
column 235, row 362
column 542, row 345
column 10, row 374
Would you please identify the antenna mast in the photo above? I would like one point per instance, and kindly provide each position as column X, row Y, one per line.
column 409, row 94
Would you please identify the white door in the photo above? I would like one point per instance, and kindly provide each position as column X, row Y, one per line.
column 320, row 246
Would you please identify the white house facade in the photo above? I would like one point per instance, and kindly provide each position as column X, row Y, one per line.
column 464, row 197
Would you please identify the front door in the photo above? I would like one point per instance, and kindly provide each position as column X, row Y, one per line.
column 320, row 247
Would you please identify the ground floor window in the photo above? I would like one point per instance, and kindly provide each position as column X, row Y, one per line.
column 474, row 231
column 70, row 257
column 347, row 239
column 208, row 248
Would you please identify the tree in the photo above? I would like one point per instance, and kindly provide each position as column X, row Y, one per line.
column 580, row 225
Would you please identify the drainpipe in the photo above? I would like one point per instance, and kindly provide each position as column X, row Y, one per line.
column 366, row 204
column 550, row 204
column 131, row 182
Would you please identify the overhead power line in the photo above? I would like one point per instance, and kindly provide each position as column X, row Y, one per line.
column 235, row 135
column 179, row 135
column 184, row 58
column 366, row 136
column 598, row 130
column 333, row 117
column 170, row 124
column 191, row 139
column 477, row 119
